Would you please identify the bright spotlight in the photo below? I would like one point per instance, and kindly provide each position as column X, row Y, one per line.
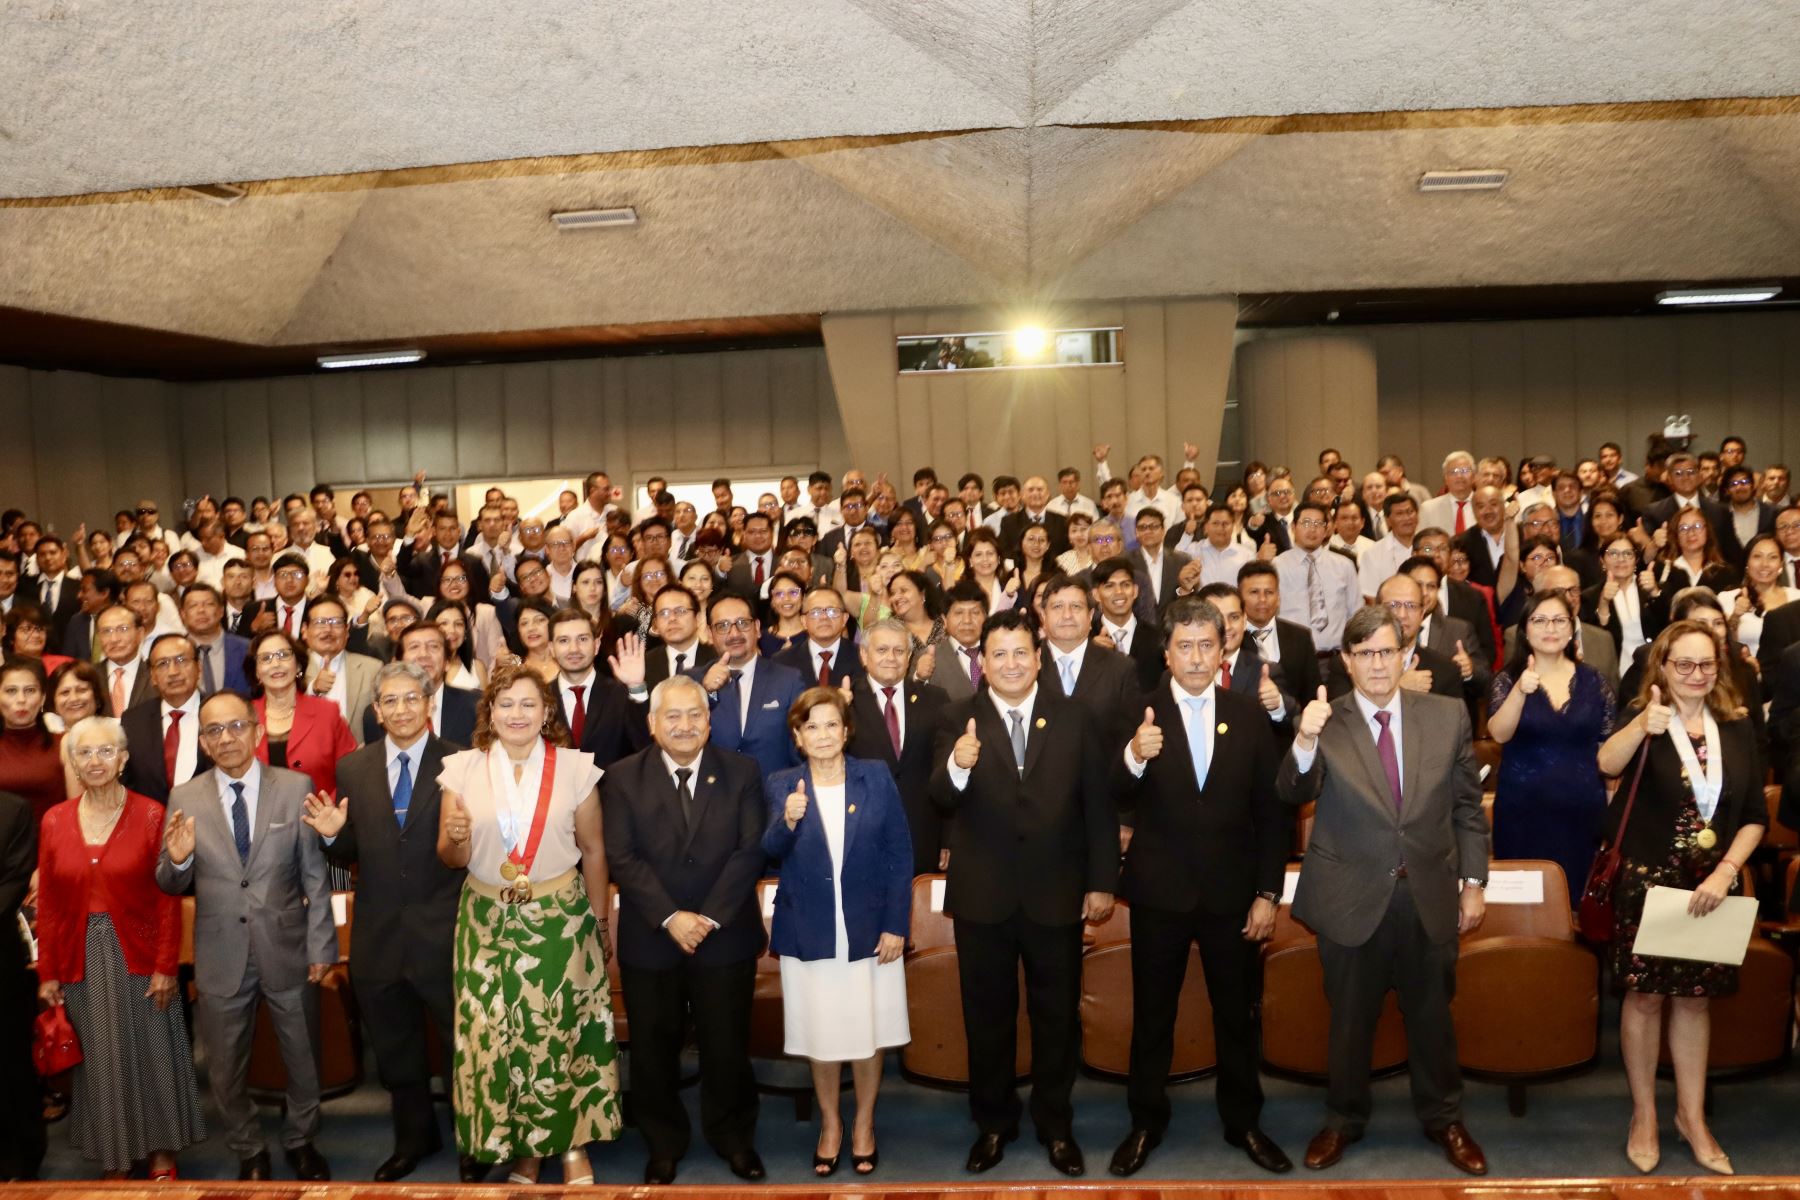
column 1030, row 341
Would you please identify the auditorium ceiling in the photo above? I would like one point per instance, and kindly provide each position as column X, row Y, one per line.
column 794, row 157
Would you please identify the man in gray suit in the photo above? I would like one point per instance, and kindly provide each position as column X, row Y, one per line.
column 262, row 926
column 1394, row 872
column 347, row 680
column 958, row 656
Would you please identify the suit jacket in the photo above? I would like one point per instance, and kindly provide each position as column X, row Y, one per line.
column 78, row 637
column 359, row 686
column 1784, row 730
column 1440, row 512
column 1107, row 687
column 1441, row 640
column 1598, row 651
column 803, row 659
column 1032, row 841
column 1717, row 515
column 1468, row 605
column 656, row 660
column 1502, row 579
column 316, row 741
column 1271, row 525
column 911, row 768
column 663, row 867
column 875, row 873
column 742, row 580
column 949, row 673
column 616, row 724
column 764, row 736
column 18, row 861
column 67, row 605
column 459, row 720
column 1359, row 840
column 1172, row 562
column 240, row 625
column 1210, row 848
column 1780, row 632
column 406, row 897
column 1299, row 662
column 141, row 689
column 228, row 666
column 1246, row 680
column 1146, row 652
column 419, row 572
column 1014, row 525
column 276, row 905
column 144, row 773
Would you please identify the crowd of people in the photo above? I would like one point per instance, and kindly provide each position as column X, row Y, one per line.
column 1060, row 699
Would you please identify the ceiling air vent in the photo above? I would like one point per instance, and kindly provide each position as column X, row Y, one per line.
column 1490, row 180
column 594, row 218
column 218, row 193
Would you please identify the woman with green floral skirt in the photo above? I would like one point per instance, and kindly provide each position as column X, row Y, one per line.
column 536, row 1071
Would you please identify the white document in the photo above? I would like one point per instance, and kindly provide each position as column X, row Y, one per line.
column 1667, row 931
column 1515, row 887
column 937, row 895
column 1289, row 885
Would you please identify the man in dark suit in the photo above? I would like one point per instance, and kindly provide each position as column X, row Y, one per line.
column 56, row 588
column 123, row 671
column 896, row 720
column 242, row 608
column 1034, row 850
column 1036, row 496
column 1784, row 736
column 605, row 716
column 826, row 657
column 1205, row 866
column 1492, row 546
column 1115, row 584
column 1394, row 872
column 684, row 822
column 1241, row 668
column 222, row 654
column 1448, row 637
column 22, row 1141
column 386, row 826
column 1421, row 668
column 752, row 569
column 751, row 696
column 1103, row 681
column 853, row 504
column 1277, row 523
column 97, row 591
column 422, row 561
column 162, row 732
column 1682, row 474
column 1158, row 564
column 676, row 646
column 1781, row 630
column 1280, row 643
column 449, row 712
column 1456, row 598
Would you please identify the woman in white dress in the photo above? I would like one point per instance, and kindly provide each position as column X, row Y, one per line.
column 839, row 831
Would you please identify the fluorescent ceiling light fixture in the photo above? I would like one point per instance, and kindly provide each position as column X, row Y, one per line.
column 1742, row 294
column 594, row 218
column 1487, row 179
column 370, row 358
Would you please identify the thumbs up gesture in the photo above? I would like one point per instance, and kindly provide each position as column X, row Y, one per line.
column 1147, row 742
column 1266, row 551
column 1528, row 678
column 325, row 818
column 1267, row 692
column 178, row 838
column 967, row 749
column 456, row 824
column 1656, row 715
column 845, row 690
column 1464, row 663
column 1312, row 720
column 796, row 804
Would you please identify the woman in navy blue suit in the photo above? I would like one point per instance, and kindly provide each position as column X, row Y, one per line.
column 838, row 828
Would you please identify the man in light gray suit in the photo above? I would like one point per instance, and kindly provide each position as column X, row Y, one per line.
column 346, row 679
column 263, row 926
column 1394, row 872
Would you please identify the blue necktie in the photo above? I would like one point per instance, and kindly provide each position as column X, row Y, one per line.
column 403, row 789
column 1196, row 735
column 1067, row 666
column 240, row 823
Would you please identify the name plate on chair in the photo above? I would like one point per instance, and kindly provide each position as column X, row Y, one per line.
column 1515, row 887
column 340, row 907
column 768, row 901
column 1289, row 885
column 937, row 895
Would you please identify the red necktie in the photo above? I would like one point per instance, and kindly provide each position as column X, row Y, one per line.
column 578, row 714
column 1224, row 676
column 824, row 668
column 171, row 745
column 974, row 668
column 287, row 619
column 1460, row 506
column 756, row 560
column 893, row 721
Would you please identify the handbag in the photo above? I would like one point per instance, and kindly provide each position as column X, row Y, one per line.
column 1594, row 916
column 54, row 1047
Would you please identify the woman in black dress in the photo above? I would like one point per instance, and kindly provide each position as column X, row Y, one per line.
column 1698, row 816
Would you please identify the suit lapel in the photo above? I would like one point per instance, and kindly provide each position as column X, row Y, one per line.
column 212, row 822
column 1039, row 728
column 1412, row 749
column 871, row 702
column 265, row 806
column 1363, row 740
column 703, row 785
column 430, row 761
column 852, row 810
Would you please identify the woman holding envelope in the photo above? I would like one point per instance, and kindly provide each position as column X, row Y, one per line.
column 1698, row 815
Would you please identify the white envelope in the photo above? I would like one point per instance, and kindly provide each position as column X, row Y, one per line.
column 1721, row 936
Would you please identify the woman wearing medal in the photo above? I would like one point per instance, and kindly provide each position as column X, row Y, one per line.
column 1698, row 815
column 536, row 1071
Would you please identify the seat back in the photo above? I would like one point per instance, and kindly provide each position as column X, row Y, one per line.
column 1106, row 1011
column 1775, row 834
column 1752, row 1027
column 1550, row 917
column 1559, row 1028
column 930, row 926
column 939, row 1050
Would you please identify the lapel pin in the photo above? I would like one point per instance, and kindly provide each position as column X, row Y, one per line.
column 913, row 699
column 852, row 808
column 1041, row 722
column 712, row 779
column 1223, row 727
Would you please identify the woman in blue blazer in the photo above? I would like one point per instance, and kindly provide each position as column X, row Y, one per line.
column 838, row 829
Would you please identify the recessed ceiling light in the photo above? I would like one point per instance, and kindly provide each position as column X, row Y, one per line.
column 594, row 218
column 1743, row 294
column 1490, row 179
column 218, row 193
column 371, row 358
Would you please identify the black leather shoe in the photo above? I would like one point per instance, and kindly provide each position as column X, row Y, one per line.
column 1065, row 1156
column 987, row 1152
column 472, row 1170
column 308, row 1163
column 746, row 1164
column 397, row 1167
column 1262, row 1150
column 659, row 1171
column 1134, row 1151
column 257, row 1166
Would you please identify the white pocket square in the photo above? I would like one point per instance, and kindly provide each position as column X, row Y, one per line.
column 274, row 825
column 771, row 704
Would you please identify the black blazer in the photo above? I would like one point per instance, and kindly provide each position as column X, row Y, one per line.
column 241, row 624
column 1258, row 524
column 459, row 721
column 1717, row 576
column 1014, row 525
column 1171, row 563
column 144, row 772
column 18, row 862
column 1212, row 848
column 1781, row 629
column 1299, row 661
column 1033, row 842
column 847, row 660
column 616, row 725
column 712, row 869
column 68, row 603
column 78, row 637
column 1446, row 677
column 1468, row 604
column 1717, row 515
column 924, row 705
column 1784, row 722
column 656, row 661
column 1107, row 687
column 419, row 572
column 406, row 898
column 1661, row 795
column 1146, row 653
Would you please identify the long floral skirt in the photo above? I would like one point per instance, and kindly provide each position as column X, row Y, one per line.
column 537, row 1066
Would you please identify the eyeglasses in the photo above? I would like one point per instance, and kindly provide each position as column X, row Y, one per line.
column 530, row 576
column 146, row 512
column 786, row 594
column 736, row 625
column 1548, row 622
column 1619, row 555
column 1460, row 472
column 647, row 575
column 459, row 577
column 823, row 614
column 407, row 700
column 1366, row 658
column 1105, row 539
column 1404, row 606
column 219, row 729
column 1687, row 666
column 1684, row 472
column 327, row 622
column 174, row 660
column 1541, row 560
column 91, row 753
column 1309, row 523
column 1690, row 528
column 270, row 657
column 666, row 614
column 290, row 573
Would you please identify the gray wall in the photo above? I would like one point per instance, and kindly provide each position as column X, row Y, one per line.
column 76, row 447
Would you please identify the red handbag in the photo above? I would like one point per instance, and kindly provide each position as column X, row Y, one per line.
column 1594, row 916
column 54, row 1047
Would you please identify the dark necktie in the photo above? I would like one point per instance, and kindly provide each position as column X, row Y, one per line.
column 578, row 711
column 1390, row 761
column 403, row 789
column 756, row 562
column 974, row 668
column 680, row 663
column 50, row 594
column 1017, row 732
column 893, row 720
column 208, row 684
column 240, row 822
column 824, row 668
column 682, row 775
column 172, row 745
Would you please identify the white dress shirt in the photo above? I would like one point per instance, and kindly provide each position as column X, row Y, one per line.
column 898, row 702
column 1338, row 581
column 109, row 671
column 1379, row 562
column 1060, row 503
column 1267, row 648
column 1075, row 658
column 1121, row 635
column 689, row 652
column 187, row 753
column 413, row 755
column 1209, row 708
column 1221, row 566
column 566, row 688
column 959, row 778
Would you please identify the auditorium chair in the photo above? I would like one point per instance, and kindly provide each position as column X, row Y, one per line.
column 1106, row 1006
column 1296, row 1020
column 1776, row 836
column 938, row 1054
column 768, row 1017
column 1526, row 950
column 1752, row 1029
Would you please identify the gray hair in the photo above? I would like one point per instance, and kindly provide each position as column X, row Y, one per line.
column 1192, row 610
column 110, row 726
column 1369, row 620
column 408, row 671
column 888, row 625
column 1458, row 456
column 674, row 683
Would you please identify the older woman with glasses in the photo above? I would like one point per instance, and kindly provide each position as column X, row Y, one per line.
column 1690, row 557
column 301, row 731
column 108, row 944
column 1697, row 817
column 1552, row 712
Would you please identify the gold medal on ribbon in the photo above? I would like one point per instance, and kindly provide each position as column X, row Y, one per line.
column 1706, row 839
column 509, row 870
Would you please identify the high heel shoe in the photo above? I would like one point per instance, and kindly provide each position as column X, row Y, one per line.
column 577, row 1170
column 1718, row 1164
column 865, row 1164
column 822, row 1166
column 1645, row 1163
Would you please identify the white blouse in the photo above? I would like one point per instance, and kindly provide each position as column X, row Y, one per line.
column 501, row 808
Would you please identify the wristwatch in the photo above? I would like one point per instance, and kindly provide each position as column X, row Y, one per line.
column 1271, row 897
column 1476, row 883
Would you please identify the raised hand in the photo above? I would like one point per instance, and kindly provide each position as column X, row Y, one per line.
column 926, row 665
column 321, row 684
column 1528, row 678
column 1147, row 742
column 627, row 661
column 1463, row 662
column 1313, row 718
column 1189, row 451
column 717, row 675
column 323, row 817
column 845, row 690
column 796, row 804
column 1608, row 590
column 1267, row 692
column 178, row 838
column 1661, row 537
column 457, row 823
column 1657, row 714
column 1647, row 580
column 1266, row 551
column 967, row 749
column 1101, row 450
